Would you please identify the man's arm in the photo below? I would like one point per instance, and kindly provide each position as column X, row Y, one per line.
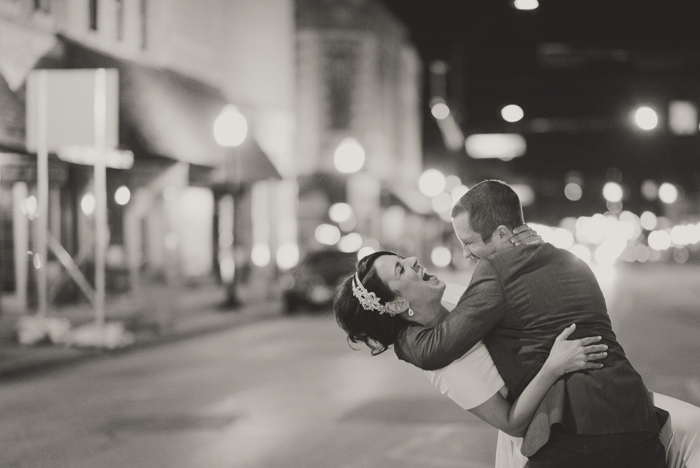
column 481, row 307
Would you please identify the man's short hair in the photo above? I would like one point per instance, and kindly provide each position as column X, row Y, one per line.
column 490, row 204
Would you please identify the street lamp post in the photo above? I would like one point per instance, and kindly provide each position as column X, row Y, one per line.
column 230, row 130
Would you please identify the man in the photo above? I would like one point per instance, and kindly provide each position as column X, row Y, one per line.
column 519, row 299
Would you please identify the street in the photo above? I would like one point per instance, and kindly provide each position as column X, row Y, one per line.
column 289, row 392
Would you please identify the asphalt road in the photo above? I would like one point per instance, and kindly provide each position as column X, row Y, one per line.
column 291, row 393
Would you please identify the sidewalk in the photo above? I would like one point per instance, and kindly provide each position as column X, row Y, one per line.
column 158, row 317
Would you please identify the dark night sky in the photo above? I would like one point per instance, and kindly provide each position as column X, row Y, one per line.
column 611, row 56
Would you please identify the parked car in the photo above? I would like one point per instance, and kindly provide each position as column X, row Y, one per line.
column 312, row 283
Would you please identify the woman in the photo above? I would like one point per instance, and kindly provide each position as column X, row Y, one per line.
column 388, row 292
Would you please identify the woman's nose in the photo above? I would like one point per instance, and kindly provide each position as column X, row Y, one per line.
column 412, row 261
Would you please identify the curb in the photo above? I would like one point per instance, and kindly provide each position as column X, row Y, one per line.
column 245, row 316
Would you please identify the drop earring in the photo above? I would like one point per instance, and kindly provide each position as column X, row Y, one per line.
column 410, row 312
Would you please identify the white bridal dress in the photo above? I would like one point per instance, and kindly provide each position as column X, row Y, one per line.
column 473, row 379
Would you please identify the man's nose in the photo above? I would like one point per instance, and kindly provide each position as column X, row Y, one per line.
column 466, row 252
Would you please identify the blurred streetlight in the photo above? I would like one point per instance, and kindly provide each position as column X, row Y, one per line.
column 327, row 234
column 349, row 157
column 87, row 204
column 122, row 195
column 573, row 191
column 648, row 220
column 340, row 212
column 440, row 110
column 526, row 4
column 612, row 192
column 668, row 193
column 441, row 256
column 431, row 182
column 646, row 118
column 230, row 131
column 512, row 113
column 230, row 127
column 350, row 243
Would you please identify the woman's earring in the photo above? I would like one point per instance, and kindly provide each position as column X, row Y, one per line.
column 410, row 312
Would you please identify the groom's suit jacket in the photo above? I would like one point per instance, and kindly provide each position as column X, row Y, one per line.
column 518, row 301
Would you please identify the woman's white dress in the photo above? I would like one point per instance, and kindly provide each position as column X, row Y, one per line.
column 473, row 379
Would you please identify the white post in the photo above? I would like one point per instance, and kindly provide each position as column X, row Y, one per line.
column 42, row 224
column 100, row 187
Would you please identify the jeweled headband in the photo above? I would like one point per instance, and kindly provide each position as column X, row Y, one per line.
column 368, row 300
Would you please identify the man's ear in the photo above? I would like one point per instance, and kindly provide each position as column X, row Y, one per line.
column 397, row 306
column 501, row 235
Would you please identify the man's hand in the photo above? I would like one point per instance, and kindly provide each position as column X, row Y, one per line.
column 524, row 235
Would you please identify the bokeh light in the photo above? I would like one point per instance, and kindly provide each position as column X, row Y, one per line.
column 582, row 252
column 87, row 204
column 526, row 4
column 327, row 234
column 573, row 191
column 646, row 118
column 260, row 255
column 659, row 240
column 230, row 127
column 452, row 182
column 458, row 192
column 512, row 113
column 649, row 190
column 648, row 220
column 340, row 212
column 440, row 111
column 122, row 195
column 350, row 243
column 431, row 182
column 668, row 193
column 442, row 202
column 364, row 251
column 441, row 256
column 287, row 256
column 349, row 157
column 612, row 191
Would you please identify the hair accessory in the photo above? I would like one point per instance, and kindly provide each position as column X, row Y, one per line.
column 368, row 300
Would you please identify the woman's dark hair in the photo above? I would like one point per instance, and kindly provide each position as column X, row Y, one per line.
column 377, row 331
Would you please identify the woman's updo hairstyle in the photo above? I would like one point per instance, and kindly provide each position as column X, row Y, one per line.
column 377, row 331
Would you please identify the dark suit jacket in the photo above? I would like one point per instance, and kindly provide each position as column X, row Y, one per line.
column 518, row 301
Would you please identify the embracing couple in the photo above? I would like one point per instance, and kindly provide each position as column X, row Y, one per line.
column 529, row 347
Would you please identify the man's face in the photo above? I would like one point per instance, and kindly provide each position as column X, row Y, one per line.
column 473, row 246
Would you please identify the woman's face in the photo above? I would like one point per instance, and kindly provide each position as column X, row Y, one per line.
column 409, row 280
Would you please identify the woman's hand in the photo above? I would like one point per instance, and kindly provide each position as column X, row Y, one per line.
column 524, row 235
column 574, row 355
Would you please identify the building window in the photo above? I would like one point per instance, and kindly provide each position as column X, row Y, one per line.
column 144, row 24
column 119, row 11
column 93, row 14
column 340, row 70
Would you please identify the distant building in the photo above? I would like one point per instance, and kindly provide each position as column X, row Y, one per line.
column 195, row 208
column 359, row 78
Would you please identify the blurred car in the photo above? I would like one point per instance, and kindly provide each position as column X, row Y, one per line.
column 312, row 283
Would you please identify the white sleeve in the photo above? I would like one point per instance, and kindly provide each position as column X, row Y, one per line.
column 470, row 380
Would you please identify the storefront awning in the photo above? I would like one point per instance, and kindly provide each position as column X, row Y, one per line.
column 161, row 114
